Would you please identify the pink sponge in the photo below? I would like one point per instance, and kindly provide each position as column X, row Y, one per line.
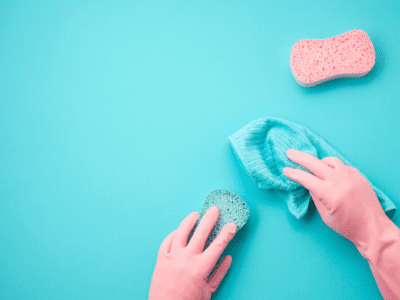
column 350, row 54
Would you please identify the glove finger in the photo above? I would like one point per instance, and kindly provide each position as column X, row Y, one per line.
column 217, row 247
column 309, row 181
column 166, row 244
column 215, row 278
column 204, row 229
column 333, row 162
column 311, row 163
column 183, row 231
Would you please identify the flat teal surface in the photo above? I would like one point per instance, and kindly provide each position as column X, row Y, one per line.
column 114, row 125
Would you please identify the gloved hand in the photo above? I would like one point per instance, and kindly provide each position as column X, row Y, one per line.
column 182, row 271
column 349, row 206
column 343, row 197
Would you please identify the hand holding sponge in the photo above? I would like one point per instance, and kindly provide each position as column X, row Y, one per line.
column 188, row 255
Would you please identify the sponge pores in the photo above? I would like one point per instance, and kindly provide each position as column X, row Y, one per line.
column 231, row 207
column 314, row 61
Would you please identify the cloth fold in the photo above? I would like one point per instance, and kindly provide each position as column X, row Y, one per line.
column 261, row 147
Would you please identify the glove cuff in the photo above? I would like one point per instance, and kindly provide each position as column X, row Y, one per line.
column 380, row 234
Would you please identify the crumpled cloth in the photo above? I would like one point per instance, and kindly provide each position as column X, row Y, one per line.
column 261, row 147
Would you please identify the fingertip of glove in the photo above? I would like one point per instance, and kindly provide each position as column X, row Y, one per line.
column 232, row 227
column 290, row 152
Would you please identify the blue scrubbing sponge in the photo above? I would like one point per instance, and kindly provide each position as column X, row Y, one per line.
column 231, row 207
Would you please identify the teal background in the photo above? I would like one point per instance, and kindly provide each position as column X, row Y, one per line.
column 114, row 125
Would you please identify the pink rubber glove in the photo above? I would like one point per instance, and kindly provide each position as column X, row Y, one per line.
column 182, row 271
column 349, row 206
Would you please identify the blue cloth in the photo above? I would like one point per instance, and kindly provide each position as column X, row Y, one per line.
column 261, row 147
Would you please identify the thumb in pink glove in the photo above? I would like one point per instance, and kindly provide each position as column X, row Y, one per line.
column 183, row 270
column 348, row 205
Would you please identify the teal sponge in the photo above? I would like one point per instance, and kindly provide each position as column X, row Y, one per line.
column 231, row 207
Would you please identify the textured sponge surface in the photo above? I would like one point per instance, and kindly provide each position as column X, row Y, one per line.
column 231, row 207
column 314, row 61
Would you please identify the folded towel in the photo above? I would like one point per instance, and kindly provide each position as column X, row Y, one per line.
column 261, row 147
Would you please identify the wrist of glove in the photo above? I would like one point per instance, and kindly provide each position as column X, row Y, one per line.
column 380, row 234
